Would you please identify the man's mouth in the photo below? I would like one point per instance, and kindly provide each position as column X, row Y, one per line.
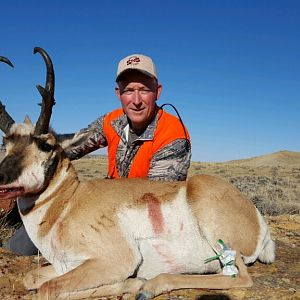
column 137, row 109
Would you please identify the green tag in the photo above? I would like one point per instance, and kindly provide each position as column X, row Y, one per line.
column 211, row 258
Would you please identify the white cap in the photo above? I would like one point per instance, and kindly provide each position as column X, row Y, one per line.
column 137, row 62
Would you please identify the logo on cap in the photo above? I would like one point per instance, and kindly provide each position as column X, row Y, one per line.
column 134, row 60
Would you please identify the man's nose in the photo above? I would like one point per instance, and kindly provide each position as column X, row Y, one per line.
column 137, row 99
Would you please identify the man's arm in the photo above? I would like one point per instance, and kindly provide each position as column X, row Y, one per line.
column 171, row 163
column 84, row 141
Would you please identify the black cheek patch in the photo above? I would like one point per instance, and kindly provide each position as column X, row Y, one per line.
column 50, row 166
column 11, row 168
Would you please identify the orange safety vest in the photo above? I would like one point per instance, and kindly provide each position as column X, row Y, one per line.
column 168, row 129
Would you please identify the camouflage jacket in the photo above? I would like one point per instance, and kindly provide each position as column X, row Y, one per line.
column 170, row 163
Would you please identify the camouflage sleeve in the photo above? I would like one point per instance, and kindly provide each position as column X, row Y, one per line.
column 86, row 140
column 171, row 163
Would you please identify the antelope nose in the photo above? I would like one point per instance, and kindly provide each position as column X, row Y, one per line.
column 3, row 177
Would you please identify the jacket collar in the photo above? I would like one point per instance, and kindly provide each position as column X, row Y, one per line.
column 121, row 126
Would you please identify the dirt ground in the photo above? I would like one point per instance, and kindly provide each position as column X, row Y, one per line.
column 280, row 280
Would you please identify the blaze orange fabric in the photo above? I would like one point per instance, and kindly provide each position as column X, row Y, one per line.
column 168, row 129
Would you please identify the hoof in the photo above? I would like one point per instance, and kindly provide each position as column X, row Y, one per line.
column 144, row 296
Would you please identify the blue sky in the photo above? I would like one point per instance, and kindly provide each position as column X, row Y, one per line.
column 232, row 68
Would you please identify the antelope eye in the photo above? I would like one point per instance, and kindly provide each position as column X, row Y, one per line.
column 46, row 147
column 43, row 145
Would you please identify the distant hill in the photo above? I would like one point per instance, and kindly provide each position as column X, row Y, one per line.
column 281, row 158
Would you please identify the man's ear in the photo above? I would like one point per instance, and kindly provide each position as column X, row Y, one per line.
column 158, row 91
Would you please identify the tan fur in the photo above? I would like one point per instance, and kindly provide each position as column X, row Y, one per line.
column 100, row 234
column 220, row 205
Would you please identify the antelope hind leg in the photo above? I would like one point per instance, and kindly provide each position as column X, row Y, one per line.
column 168, row 282
column 35, row 278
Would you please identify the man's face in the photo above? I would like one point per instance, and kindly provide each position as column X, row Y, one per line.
column 138, row 94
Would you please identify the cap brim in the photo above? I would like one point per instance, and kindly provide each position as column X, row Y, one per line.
column 133, row 70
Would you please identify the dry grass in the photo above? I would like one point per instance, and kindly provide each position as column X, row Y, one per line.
column 275, row 190
column 91, row 167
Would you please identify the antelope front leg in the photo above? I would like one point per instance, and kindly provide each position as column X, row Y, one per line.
column 92, row 278
column 168, row 282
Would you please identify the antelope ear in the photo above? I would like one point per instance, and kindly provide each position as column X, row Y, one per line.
column 27, row 120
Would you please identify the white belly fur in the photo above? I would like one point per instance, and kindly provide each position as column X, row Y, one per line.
column 179, row 248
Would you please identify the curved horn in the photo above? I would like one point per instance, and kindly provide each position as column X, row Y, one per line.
column 6, row 120
column 6, row 60
column 47, row 92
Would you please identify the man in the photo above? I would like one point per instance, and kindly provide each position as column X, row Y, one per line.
column 142, row 139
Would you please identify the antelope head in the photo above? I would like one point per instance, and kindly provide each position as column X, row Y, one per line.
column 31, row 151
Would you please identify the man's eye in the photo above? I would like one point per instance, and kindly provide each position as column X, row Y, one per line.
column 128, row 92
column 144, row 91
column 141, row 91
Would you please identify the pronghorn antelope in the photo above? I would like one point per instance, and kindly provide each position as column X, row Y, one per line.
column 127, row 236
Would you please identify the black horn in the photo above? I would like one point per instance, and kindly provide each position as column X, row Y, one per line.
column 6, row 60
column 6, row 120
column 47, row 93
